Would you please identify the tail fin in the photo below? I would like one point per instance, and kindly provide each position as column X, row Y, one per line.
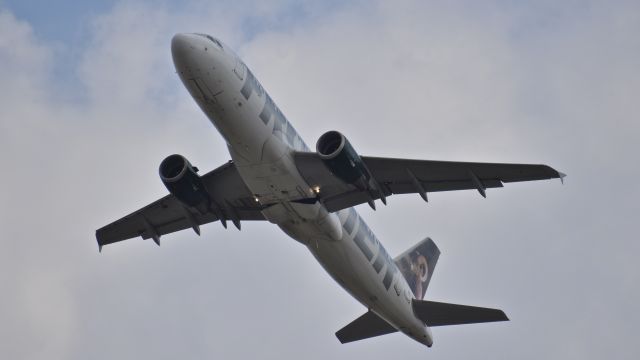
column 417, row 265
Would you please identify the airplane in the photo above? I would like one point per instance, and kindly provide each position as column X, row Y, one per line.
column 310, row 195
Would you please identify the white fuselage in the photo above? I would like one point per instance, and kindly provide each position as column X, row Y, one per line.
column 261, row 143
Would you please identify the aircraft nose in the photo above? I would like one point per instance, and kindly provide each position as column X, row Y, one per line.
column 182, row 51
column 180, row 44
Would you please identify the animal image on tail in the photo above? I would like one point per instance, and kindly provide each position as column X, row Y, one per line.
column 417, row 264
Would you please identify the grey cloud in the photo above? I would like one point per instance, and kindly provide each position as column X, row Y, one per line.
column 520, row 83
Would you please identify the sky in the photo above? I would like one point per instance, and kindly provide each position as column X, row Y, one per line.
column 90, row 105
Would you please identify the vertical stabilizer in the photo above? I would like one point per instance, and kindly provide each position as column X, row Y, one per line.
column 417, row 265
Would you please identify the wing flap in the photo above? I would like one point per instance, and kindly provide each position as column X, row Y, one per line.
column 366, row 326
column 439, row 314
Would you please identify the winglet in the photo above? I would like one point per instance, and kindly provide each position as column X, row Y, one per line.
column 561, row 176
column 100, row 244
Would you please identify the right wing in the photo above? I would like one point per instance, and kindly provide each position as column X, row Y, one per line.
column 230, row 198
column 404, row 176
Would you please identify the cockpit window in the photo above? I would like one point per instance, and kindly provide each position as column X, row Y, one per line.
column 214, row 40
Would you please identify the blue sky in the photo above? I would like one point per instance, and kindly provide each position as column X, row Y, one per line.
column 68, row 21
column 63, row 21
column 68, row 26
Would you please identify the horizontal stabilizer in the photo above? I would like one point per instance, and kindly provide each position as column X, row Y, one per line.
column 439, row 314
column 366, row 326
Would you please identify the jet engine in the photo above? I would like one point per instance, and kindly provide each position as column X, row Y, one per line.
column 339, row 156
column 183, row 182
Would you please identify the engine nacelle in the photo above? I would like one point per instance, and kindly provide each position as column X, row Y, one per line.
column 339, row 156
column 183, row 181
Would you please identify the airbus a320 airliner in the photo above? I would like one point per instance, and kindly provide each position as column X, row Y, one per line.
column 310, row 195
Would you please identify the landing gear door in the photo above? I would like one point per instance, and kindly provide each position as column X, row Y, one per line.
column 240, row 69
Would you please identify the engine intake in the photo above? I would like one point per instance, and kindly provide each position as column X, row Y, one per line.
column 182, row 181
column 339, row 156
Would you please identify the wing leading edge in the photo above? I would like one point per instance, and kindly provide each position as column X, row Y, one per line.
column 404, row 176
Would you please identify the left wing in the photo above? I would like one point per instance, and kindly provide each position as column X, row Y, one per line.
column 230, row 199
column 403, row 176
